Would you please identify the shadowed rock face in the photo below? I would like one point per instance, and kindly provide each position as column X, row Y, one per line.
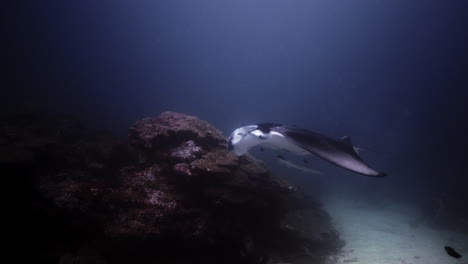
column 171, row 193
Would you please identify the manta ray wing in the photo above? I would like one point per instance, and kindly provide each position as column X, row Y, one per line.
column 337, row 152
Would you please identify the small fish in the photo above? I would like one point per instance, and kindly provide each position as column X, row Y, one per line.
column 451, row 252
column 306, row 161
column 262, row 149
column 290, row 164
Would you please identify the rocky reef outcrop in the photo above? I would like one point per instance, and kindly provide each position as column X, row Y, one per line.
column 170, row 193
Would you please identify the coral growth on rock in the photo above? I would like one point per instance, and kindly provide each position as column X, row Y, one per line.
column 171, row 193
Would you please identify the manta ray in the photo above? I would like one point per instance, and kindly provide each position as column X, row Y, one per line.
column 300, row 142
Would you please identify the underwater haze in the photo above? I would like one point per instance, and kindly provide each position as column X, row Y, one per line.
column 391, row 75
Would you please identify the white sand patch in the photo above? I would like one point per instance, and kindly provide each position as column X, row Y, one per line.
column 383, row 236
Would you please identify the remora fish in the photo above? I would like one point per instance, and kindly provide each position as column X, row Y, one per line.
column 300, row 142
column 290, row 164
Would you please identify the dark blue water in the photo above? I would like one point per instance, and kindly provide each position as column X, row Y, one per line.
column 390, row 74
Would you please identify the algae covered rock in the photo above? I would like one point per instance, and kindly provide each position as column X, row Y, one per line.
column 171, row 193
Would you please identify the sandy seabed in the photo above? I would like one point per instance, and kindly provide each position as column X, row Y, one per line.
column 376, row 235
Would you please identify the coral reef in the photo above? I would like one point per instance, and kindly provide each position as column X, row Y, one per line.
column 170, row 193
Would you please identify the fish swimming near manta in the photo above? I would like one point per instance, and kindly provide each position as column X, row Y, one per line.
column 300, row 142
column 452, row 252
column 290, row 164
